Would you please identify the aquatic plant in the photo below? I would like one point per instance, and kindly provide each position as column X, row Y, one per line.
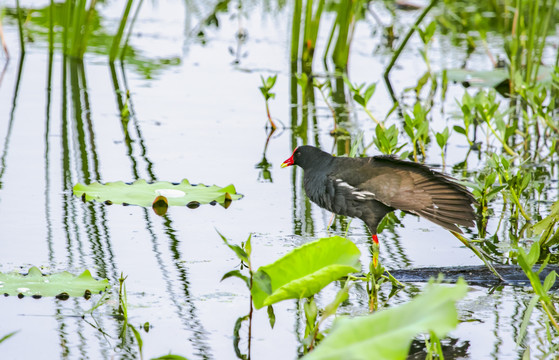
column 143, row 193
column 61, row 285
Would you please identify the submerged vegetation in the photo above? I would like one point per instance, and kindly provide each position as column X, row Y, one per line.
column 500, row 135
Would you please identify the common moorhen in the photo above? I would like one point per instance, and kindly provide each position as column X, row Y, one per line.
column 371, row 187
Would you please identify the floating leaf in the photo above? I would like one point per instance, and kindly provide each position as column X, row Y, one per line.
column 305, row 270
column 484, row 78
column 61, row 285
column 388, row 334
column 144, row 194
column 494, row 78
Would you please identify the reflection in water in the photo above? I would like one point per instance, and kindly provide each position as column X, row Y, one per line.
column 3, row 72
column 136, row 135
column 48, row 213
column 79, row 162
column 182, row 300
column 73, row 138
column 265, row 175
column 11, row 122
column 453, row 348
column 187, row 314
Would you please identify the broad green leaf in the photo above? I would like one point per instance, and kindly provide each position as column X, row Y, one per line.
column 63, row 284
column 387, row 334
column 305, row 270
column 143, row 193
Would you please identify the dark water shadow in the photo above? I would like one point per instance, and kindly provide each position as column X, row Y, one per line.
column 474, row 275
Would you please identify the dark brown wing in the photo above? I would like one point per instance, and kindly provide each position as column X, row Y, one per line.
column 413, row 188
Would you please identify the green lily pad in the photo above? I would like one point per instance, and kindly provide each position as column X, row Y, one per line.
column 143, row 193
column 484, row 78
column 305, row 270
column 61, row 285
column 495, row 78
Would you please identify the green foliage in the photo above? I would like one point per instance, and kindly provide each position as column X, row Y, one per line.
column 143, row 193
column 347, row 14
column 62, row 284
column 243, row 253
column 386, row 140
column 267, row 85
column 546, row 227
column 427, row 34
column 442, row 139
column 266, row 90
column 362, row 95
column 305, row 270
column 74, row 29
column 541, row 291
column 468, row 115
column 388, row 334
column 529, row 30
column 416, row 126
column 116, row 45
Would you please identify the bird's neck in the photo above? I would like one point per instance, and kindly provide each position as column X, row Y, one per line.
column 319, row 163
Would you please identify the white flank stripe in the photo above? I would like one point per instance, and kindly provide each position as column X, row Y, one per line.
column 359, row 194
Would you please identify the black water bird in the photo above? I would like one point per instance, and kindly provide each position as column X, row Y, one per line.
column 368, row 188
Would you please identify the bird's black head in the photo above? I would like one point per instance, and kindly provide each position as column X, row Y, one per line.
column 305, row 156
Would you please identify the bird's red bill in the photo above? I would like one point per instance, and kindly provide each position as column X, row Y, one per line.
column 289, row 161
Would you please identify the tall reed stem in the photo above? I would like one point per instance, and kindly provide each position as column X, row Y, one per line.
column 118, row 37
column 20, row 28
column 408, row 35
